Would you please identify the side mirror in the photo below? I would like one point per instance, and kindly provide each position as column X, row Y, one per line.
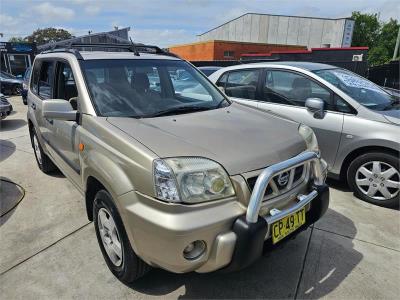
column 315, row 106
column 58, row 110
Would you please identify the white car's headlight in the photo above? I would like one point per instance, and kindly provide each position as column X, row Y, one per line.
column 190, row 180
column 309, row 137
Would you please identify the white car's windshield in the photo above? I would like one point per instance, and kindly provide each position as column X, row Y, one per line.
column 360, row 89
column 148, row 88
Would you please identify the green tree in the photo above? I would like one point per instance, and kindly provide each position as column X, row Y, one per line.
column 388, row 35
column 366, row 29
column 47, row 35
column 380, row 37
column 16, row 39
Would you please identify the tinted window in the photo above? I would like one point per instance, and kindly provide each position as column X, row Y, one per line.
column 45, row 86
column 242, row 84
column 66, row 86
column 222, row 80
column 343, row 106
column 35, row 77
column 293, row 89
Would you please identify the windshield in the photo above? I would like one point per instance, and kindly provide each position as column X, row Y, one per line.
column 148, row 88
column 360, row 89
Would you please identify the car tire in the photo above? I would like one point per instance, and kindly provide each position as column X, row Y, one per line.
column 44, row 162
column 367, row 178
column 16, row 90
column 113, row 240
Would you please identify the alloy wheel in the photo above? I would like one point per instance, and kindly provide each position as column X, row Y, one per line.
column 378, row 180
column 110, row 237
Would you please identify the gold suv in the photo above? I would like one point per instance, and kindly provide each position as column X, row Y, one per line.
column 174, row 174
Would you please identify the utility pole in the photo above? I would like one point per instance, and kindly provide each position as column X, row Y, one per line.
column 396, row 48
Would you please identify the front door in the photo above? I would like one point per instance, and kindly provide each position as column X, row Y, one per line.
column 63, row 134
column 285, row 92
column 241, row 85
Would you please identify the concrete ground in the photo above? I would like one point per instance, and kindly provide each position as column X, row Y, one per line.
column 48, row 248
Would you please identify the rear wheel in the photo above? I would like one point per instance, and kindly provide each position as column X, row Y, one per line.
column 375, row 178
column 44, row 162
column 113, row 240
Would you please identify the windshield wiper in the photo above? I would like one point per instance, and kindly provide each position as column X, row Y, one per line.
column 178, row 110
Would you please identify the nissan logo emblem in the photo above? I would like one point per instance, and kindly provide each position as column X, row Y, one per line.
column 283, row 178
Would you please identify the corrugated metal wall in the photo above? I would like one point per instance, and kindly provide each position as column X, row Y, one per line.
column 288, row 30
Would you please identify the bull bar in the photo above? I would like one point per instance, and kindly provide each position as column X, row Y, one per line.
column 266, row 176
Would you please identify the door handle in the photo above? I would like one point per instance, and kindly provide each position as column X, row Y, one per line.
column 50, row 121
column 33, row 105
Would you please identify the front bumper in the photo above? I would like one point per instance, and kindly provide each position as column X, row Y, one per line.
column 233, row 233
column 250, row 241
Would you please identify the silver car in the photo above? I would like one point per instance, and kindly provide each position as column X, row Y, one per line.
column 356, row 122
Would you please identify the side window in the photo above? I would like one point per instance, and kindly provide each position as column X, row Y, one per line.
column 45, row 85
column 35, row 77
column 222, row 80
column 65, row 83
column 242, row 84
column 293, row 89
column 343, row 106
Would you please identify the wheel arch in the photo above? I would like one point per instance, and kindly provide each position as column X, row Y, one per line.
column 93, row 185
column 360, row 151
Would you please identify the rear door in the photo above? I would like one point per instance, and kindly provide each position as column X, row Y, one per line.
column 285, row 92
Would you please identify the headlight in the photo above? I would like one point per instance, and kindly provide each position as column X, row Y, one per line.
column 190, row 180
column 309, row 137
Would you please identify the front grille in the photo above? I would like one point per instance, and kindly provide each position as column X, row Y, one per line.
column 282, row 182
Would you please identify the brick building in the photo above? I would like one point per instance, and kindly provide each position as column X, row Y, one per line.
column 226, row 50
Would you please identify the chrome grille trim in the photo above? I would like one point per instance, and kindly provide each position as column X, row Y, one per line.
column 273, row 190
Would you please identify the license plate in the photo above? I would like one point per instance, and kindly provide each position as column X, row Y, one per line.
column 287, row 225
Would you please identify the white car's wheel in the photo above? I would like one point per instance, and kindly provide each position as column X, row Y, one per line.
column 375, row 177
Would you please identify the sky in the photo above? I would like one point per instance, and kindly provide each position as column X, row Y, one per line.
column 166, row 23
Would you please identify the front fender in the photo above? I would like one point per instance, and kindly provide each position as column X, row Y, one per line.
column 355, row 145
column 106, row 171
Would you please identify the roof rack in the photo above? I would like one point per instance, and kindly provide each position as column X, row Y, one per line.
column 131, row 47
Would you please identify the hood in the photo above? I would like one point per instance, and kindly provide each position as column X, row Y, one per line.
column 240, row 138
column 392, row 116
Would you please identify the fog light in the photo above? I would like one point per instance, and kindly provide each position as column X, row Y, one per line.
column 194, row 250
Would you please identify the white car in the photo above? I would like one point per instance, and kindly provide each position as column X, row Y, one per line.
column 357, row 123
